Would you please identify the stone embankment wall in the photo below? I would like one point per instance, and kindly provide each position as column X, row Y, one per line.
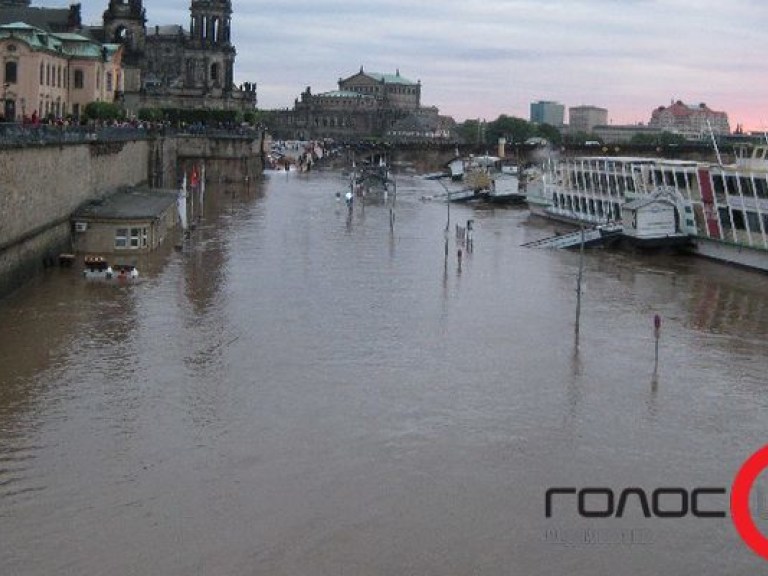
column 226, row 158
column 40, row 187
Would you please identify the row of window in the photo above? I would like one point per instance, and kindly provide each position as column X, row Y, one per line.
column 607, row 184
column 210, row 28
column 377, row 90
column 610, row 184
column 611, row 210
column 130, row 238
column 56, row 76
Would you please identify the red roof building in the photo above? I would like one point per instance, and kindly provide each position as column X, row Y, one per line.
column 690, row 121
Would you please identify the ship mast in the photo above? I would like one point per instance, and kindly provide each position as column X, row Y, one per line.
column 714, row 143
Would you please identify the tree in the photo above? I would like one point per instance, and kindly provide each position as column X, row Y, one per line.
column 549, row 133
column 150, row 114
column 103, row 111
column 514, row 130
column 470, row 132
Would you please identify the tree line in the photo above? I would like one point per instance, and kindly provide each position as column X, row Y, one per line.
column 517, row 131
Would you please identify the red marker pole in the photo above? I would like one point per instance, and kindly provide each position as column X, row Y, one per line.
column 657, row 335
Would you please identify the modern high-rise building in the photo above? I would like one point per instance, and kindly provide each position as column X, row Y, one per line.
column 585, row 118
column 545, row 112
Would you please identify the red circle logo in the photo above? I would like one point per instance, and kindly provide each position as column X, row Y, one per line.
column 742, row 517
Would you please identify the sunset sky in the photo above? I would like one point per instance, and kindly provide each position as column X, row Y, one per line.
column 483, row 59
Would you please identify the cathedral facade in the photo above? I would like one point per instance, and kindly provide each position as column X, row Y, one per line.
column 170, row 67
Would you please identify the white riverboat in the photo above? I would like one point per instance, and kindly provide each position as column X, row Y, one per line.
column 479, row 179
column 720, row 210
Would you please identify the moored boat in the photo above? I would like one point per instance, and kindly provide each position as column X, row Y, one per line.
column 714, row 210
column 478, row 179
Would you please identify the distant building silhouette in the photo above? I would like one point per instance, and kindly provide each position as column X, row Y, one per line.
column 585, row 118
column 366, row 104
column 691, row 122
column 546, row 112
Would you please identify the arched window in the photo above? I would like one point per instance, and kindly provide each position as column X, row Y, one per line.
column 11, row 73
column 215, row 30
column 214, row 72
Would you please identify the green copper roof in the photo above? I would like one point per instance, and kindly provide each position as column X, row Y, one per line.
column 65, row 43
column 389, row 78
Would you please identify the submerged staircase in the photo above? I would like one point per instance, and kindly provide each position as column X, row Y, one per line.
column 592, row 236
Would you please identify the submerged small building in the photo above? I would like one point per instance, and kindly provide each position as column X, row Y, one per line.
column 130, row 221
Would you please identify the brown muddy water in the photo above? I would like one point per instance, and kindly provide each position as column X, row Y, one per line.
column 301, row 391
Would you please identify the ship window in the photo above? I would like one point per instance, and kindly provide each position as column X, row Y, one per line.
column 121, row 238
column 717, row 181
column 738, row 219
column 725, row 220
column 746, row 186
column 761, row 189
column 753, row 221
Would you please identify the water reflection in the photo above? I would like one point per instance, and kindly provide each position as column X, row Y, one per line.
column 304, row 389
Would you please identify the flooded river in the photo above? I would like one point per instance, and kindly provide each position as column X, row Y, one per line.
column 303, row 391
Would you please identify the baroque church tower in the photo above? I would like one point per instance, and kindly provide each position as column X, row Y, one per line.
column 210, row 56
column 125, row 23
column 168, row 66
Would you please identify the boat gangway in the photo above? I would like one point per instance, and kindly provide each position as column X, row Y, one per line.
column 592, row 237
